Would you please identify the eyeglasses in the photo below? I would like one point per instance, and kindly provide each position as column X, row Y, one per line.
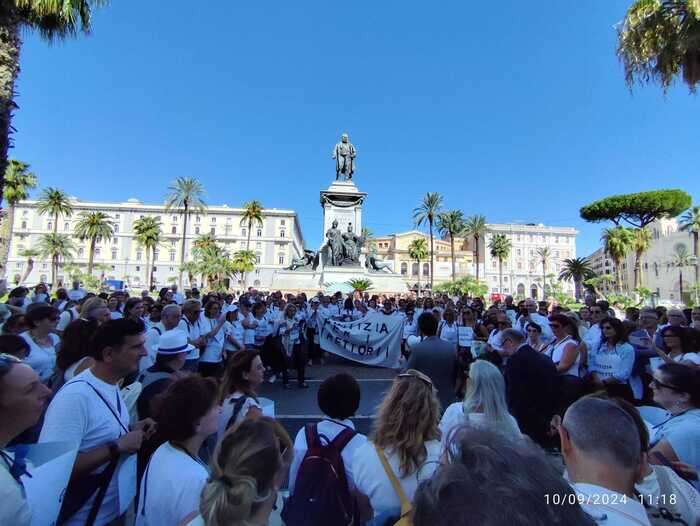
column 532, row 330
column 656, row 384
column 596, row 311
column 669, row 335
column 607, row 328
column 555, row 326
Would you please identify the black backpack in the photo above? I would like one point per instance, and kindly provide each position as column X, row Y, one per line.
column 321, row 493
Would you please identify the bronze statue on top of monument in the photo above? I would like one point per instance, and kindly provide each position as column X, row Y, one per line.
column 344, row 154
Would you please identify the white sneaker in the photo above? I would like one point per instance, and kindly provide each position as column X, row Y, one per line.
column 272, row 379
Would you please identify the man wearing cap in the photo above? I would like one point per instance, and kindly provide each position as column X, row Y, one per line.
column 169, row 320
column 171, row 353
column 189, row 324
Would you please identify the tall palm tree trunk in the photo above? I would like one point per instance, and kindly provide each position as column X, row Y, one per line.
column 182, row 248
column 54, row 273
column 696, row 251
column 577, row 289
column 476, row 255
column 55, row 224
column 618, row 277
column 30, row 267
column 432, row 258
column 10, row 45
column 244, row 275
column 149, row 271
column 638, row 270
column 680, row 282
column 452, row 251
column 5, row 247
column 544, row 281
column 91, row 257
column 500, row 276
column 418, row 260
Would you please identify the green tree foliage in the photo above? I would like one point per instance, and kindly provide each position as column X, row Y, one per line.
column 468, row 285
column 53, row 20
column 18, row 182
column 660, row 39
column 360, row 284
column 55, row 203
column 93, row 226
column 148, row 235
column 577, row 270
column 451, row 225
column 186, row 195
column 500, row 249
column 57, row 248
column 426, row 213
column 252, row 216
column 475, row 227
column 637, row 210
column 418, row 251
column 617, row 243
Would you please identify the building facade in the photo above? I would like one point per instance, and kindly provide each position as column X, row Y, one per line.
column 393, row 249
column 661, row 272
column 275, row 243
column 522, row 270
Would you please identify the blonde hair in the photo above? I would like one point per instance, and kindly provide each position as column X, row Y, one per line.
column 486, row 393
column 244, row 468
column 407, row 418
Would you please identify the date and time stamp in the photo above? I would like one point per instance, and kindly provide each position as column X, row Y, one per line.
column 607, row 499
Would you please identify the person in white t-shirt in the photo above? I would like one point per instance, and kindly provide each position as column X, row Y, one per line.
column 75, row 292
column 69, row 313
column 407, row 435
column 212, row 356
column 244, row 375
column 338, row 398
column 448, row 329
column 89, row 412
column 177, row 297
column 23, row 399
column 113, row 304
column 43, row 342
column 603, row 466
column 191, row 313
column 169, row 320
column 175, row 475
column 484, row 404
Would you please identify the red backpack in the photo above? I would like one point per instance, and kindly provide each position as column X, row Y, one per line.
column 321, row 493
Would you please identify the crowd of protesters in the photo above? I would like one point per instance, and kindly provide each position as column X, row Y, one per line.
column 511, row 413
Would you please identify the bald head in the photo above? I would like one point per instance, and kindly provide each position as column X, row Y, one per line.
column 602, row 430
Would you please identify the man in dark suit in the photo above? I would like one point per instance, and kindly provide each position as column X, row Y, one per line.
column 531, row 386
column 435, row 358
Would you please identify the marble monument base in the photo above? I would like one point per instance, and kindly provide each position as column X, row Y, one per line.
column 311, row 282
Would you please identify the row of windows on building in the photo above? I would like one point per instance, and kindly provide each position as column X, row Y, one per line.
column 535, row 238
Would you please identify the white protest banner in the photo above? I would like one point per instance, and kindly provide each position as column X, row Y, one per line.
column 49, row 466
column 372, row 340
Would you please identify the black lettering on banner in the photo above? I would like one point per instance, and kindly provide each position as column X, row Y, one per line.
column 361, row 350
column 368, row 326
column 383, row 329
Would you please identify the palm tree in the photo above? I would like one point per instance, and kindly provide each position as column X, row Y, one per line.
column 475, row 227
column 186, row 196
column 55, row 203
column 640, row 244
column 147, row 234
column 30, row 254
column 57, row 248
column 680, row 259
column 18, row 181
column 360, row 284
column 191, row 268
column 617, row 242
column 544, row 253
column 244, row 261
column 500, row 249
column 577, row 270
column 54, row 21
column 451, row 224
column 690, row 222
column 427, row 212
column 417, row 251
column 94, row 226
column 205, row 241
column 658, row 39
column 252, row 215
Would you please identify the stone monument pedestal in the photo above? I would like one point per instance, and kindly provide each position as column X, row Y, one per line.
column 342, row 202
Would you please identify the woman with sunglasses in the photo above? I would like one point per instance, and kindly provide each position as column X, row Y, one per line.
column 610, row 366
column 43, row 342
column 406, row 436
column 564, row 350
column 676, row 388
column 22, row 402
column 679, row 348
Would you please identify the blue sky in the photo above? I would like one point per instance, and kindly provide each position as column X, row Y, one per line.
column 515, row 110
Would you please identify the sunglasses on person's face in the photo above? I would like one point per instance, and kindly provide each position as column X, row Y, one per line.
column 532, row 331
column 607, row 328
column 502, row 324
column 670, row 336
column 596, row 311
column 555, row 326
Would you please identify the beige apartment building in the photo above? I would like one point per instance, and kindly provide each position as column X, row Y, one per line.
column 275, row 243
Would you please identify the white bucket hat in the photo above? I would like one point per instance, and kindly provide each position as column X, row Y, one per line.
column 173, row 342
